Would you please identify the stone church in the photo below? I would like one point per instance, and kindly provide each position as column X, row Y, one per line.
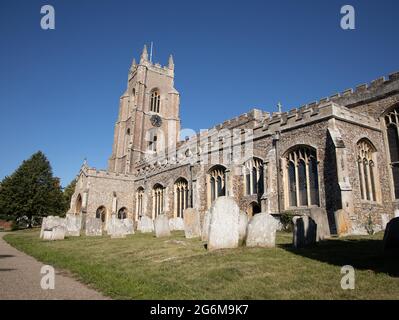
column 341, row 152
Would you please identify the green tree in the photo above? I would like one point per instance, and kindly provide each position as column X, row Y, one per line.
column 32, row 191
column 68, row 192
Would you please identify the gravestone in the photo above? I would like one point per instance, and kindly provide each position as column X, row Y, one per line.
column 48, row 223
column 56, row 233
column 129, row 225
column 146, row 224
column 305, row 232
column 176, row 224
column 94, row 226
column 242, row 227
column 391, row 235
column 319, row 216
column 261, row 231
column 342, row 222
column 161, row 226
column 205, row 226
column 223, row 228
column 73, row 225
column 192, row 224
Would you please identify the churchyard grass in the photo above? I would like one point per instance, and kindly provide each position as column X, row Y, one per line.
column 144, row 267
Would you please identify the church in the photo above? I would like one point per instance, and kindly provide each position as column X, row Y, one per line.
column 338, row 153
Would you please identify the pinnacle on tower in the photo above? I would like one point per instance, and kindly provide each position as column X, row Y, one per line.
column 144, row 55
column 171, row 64
column 133, row 65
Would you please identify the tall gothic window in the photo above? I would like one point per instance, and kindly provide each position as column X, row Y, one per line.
column 181, row 197
column 392, row 124
column 253, row 172
column 139, row 202
column 366, row 167
column 158, row 194
column 301, row 172
column 155, row 101
column 122, row 213
column 217, row 180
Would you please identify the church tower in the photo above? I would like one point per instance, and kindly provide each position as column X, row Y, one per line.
column 148, row 121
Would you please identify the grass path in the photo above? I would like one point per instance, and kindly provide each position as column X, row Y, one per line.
column 143, row 267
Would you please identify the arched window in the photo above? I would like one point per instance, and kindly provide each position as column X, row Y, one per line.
column 158, row 194
column 301, row 177
column 122, row 213
column 155, row 101
column 216, row 180
column 392, row 124
column 181, row 197
column 101, row 213
column 253, row 171
column 366, row 160
column 139, row 203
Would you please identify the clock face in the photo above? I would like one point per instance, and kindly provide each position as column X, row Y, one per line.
column 156, row 120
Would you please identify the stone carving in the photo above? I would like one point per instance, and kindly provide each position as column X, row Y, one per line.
column 391, row 235
column 242, row 227
column 319, row 216
column 205, row 226
column 192, row 224
column 305, row 232
column 146, row 224
column 261, row 231
column 223, row 228
column 94, row 226
column 161, row 226
column 342, row 222
column 176, row 224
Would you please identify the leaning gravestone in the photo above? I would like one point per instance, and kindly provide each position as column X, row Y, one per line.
column 116, row 228
column 205, row 226
column 391, row 235
column 94, row 226
column 176, row 224
column 261, row 231
column 192, row 224
column 73, row 225
column 319, row 215
column 242, row 227
column 48, row 223
column 342, row 222
column 223, row 228
column 161, row 226
column 304, row 232
column 146, row 224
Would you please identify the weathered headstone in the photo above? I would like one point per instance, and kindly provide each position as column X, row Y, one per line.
column 342, row 222
column 205, row 226
column 319, row 215
column 385, row 218
column 176, row 224
column 56, row 233
column 146, row 224
column 192, row 224
column 391, row 235
column 161, row 226
column 94, row 226
column 242, row 227
column 73, row 225
column 48, row 223
column 223, row 228
column 261, row 231
column 305, row 232
column 129, row 225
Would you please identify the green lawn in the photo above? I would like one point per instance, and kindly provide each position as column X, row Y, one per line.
column 143, row 267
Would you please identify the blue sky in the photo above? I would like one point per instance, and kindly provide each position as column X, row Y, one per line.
column 59, row 89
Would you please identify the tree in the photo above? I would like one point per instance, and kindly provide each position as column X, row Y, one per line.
column 32, row 191
column 68, row 192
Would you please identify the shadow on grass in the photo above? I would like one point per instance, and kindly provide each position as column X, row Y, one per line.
column 362, row 254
